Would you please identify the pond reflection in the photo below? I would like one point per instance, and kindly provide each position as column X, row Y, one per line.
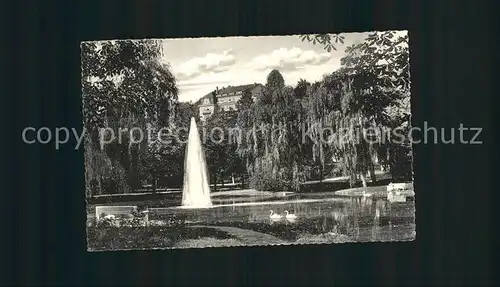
column 362, row 218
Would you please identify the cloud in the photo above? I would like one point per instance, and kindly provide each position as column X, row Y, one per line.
column 206, row 79
column 288, row 59
column 209, row 64
column 198, row 85
column 202, row 82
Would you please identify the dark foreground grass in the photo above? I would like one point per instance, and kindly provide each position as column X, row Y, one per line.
column 154, row 237
column 102, row 238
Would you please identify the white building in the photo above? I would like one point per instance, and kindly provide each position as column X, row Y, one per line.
column 227, row 98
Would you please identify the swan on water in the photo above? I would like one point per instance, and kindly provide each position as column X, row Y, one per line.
column 273, row 215
column 290, row 215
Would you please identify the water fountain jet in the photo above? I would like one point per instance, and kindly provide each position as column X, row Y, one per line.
column 195, row 191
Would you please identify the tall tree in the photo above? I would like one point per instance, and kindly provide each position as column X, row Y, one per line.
column 124, row 85
column 275, row 81
column 219, row 149
column 386, row 55
column 374, row 94
column 271, row 148
column 245, row 144
column 163, row 157
column 321, row 103
column 300, row 90
column 245, row 102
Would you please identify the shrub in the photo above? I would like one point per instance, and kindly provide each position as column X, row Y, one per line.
column 106, row 234
column 264, row 181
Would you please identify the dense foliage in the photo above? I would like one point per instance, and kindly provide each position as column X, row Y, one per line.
column 124, row 86
column 371, row 90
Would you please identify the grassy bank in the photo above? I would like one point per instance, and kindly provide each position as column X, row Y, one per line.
column 103, row 236
column 376, row 191
column 168, row 197
column 123, row 238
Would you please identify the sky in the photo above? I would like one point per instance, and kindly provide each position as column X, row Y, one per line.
column 202, row 64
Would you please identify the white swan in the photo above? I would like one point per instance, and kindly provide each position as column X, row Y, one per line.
column 273, row 215
column 290, row 215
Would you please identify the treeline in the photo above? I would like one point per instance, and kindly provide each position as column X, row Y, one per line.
column 125, row 86
column 370, row 90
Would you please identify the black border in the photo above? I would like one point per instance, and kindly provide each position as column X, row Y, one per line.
column 450, row 46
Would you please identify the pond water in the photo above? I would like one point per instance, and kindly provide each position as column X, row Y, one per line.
column 360, row 218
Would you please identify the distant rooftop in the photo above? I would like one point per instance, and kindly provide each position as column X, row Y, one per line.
column 229, row 90
column 233, row 89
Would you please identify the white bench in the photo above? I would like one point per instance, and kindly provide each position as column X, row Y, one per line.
column 399, row 186
column 121, row 211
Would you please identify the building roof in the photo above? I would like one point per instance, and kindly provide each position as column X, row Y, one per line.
column 234, row 89
column 229, row 90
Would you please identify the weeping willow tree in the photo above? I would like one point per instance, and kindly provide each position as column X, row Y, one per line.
column 347, row 115
column 359, row 122
column 98, row 168
column 370, row 93
column 124, row 86
column 246, row 145
column 244, row 124
column 385, row 55
column 344, row 115
column 320, row 113
column 272, row 146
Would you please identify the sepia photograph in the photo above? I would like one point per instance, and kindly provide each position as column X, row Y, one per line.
column 247, row 141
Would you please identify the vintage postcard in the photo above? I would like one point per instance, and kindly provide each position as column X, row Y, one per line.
column 247, row 141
